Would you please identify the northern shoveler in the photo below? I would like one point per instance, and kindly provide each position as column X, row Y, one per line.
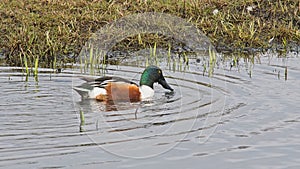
column 110, row 88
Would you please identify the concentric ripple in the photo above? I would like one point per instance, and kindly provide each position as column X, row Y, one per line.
column 239, row 120
column 194, row 108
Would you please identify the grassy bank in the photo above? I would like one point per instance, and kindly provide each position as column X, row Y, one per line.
column 54, row 29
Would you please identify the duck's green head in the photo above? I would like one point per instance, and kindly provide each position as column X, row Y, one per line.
column 153, row 74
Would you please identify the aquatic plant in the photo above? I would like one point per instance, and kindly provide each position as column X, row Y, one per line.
column 54, row 64
column 285, row 73
column 91, row 63
column 212, row 61
column 169, row 56
column 26, row 67
column 36, row 65
column 82, row 121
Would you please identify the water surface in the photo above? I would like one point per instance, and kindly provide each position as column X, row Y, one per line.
column 244, row 116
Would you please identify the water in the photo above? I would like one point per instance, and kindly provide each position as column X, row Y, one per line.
column 231, row 120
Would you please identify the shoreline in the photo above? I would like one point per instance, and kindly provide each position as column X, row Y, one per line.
column 59, row 29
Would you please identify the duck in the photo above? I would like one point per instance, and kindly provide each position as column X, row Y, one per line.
column 112, row 88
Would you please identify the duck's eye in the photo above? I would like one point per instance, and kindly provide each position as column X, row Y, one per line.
column 159, row 72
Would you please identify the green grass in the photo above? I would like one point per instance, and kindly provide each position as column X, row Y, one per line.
column 82, row 121
column 58, row 29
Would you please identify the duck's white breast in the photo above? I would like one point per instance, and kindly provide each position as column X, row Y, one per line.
column 146, row 92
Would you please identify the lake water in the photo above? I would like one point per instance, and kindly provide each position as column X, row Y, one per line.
column 245, row 116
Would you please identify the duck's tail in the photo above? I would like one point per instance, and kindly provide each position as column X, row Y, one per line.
column 84, row 90
column 89, row 89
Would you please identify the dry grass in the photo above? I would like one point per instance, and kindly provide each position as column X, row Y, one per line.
column 58, row 28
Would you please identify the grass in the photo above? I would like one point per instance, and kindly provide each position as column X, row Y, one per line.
column 212, row 62
column 24, row 62
column 82, row 121
column 55, row 31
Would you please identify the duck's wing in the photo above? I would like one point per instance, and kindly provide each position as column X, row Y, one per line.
column 103, row 81
column 99, row 82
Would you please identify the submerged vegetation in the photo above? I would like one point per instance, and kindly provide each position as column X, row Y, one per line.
column 48, row 32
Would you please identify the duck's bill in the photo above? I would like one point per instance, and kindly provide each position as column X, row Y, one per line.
column 164, row 84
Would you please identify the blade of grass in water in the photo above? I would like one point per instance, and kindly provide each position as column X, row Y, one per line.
column 36, row 65
column 212, row 61
column 154, row 54
column 26, row 67
column 285, row 73
column 21, row 59
column 54, row 64
column 82, row 121
column 91, row 60
column 169, row 56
